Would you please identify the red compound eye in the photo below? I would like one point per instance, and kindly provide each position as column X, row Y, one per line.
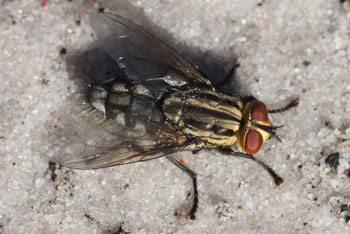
column 259, row 111
column 253, row 142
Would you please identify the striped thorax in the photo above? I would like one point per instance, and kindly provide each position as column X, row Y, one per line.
column 217, row 119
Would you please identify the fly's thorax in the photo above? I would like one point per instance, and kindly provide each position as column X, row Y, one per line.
column 251, row 136
column 210, row 116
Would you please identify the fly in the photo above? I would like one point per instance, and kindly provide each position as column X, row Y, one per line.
column 161, row 105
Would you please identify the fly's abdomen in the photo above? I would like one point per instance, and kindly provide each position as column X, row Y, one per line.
column 213, row 117
column 127, row 104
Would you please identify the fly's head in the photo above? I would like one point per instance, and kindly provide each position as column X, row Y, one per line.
column 256, row 127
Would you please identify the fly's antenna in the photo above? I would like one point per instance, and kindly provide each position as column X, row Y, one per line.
column 270, row 129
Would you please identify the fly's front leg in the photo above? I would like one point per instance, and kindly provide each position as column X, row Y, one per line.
column 277, row 179
column 193, row 175
column 290, row 105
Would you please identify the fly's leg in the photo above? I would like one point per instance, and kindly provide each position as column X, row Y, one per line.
column 277, row 179
column 232, row 72
column 193, row 175
column 290, row 105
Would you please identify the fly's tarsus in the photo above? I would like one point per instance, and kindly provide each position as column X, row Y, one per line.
column 193, row 175
column 277, row 179
column 293, row 103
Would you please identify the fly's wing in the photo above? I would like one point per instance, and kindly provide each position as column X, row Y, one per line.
column 110, row 144
column 149, row 62
column 146, row 59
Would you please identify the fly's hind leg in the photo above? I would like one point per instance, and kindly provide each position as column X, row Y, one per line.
column 193, row 175
column 290, row 105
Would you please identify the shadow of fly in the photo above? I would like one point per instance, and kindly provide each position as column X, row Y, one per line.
column 161, row 105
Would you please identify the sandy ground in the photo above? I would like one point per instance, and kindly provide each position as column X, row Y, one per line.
column 287, row 49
